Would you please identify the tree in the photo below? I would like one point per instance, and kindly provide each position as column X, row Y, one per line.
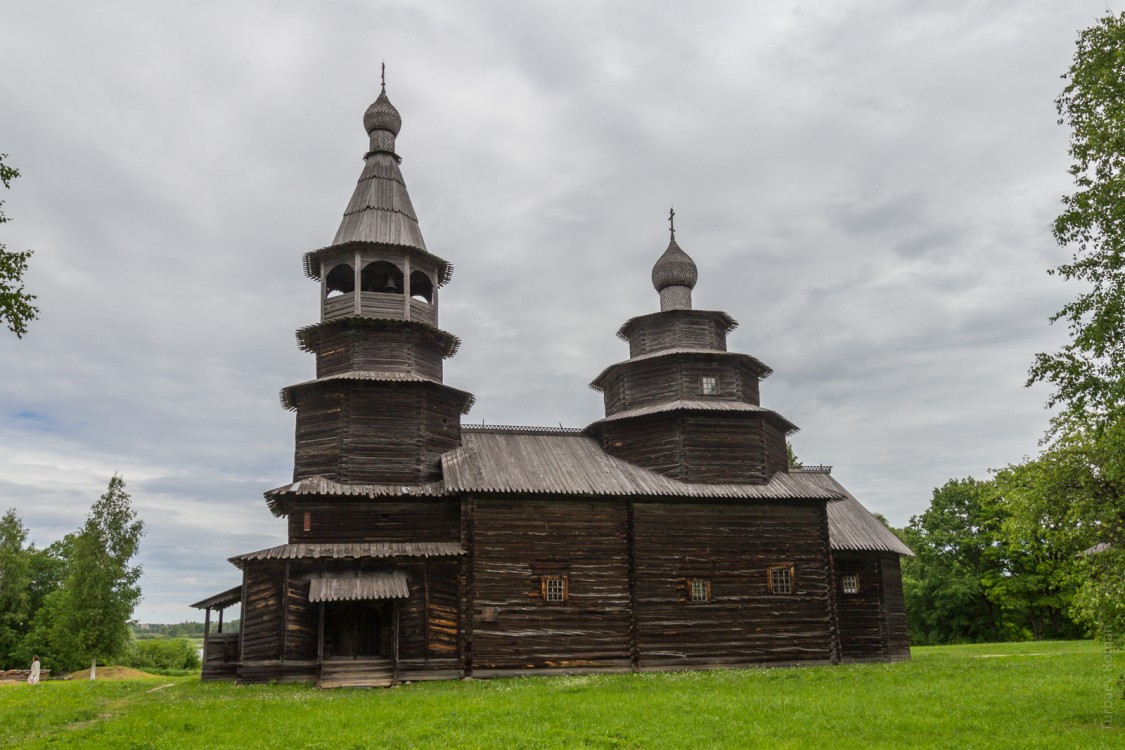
column 101, row 591
column 951, row 584
column 15, row 585
column 49, row 568
column 794, row 462
column 1088, row 372
column 15, row 304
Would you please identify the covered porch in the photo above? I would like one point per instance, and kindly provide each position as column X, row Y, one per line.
column 220, row 650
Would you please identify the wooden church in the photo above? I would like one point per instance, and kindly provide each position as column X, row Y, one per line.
column 669, row 534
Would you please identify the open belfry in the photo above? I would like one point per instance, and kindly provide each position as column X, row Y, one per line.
column 669, row 534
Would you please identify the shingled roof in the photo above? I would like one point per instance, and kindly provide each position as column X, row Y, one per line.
column 850, row 525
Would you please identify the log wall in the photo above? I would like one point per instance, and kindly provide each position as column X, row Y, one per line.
column 376, row 432
column 515, row 543
column 679, row 377
column 680, row 329
column 405, row 349
column 371, row 521
column 861, row 614
column 731, row 546
column 262, row 612
column 894, row 608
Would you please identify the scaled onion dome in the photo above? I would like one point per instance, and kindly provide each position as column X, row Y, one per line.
column 382, row 115
column 674, row 268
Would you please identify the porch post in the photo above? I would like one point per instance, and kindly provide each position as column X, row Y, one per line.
column 320, row 635
column 220, row 619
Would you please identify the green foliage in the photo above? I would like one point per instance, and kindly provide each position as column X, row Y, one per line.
column 16, row 308
column 1042, row 695
column 163, row 653
column 100, row 591
column 1084, row 465
column 15, row 586
column 794, row 462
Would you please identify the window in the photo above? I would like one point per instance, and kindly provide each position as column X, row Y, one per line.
column 554, row 589
column 780, row 579
column 489, row 614
column 709, row 385
column 850, row 582
column 307, row 526
column 699, row 590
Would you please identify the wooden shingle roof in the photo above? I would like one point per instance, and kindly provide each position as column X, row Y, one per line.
column 850, row 525
column 351, row 551
column 565, row 462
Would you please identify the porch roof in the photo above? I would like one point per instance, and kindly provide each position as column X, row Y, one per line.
column 347, row 588
column 228, row 598
column 352, row 551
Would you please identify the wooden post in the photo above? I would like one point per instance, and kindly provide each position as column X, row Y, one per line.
column 320, row 636
column 207, row 623
column 285, row 612
column 394, row 636
column 220, row 619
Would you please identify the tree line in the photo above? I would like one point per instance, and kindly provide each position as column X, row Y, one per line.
column 70, row 602
column 1038, row 550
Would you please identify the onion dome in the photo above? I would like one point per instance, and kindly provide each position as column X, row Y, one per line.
column 674, row 268
column 382, row 115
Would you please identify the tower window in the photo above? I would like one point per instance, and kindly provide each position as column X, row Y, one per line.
column 850, row 582
column 307, row 525
column 381, row 276
column 555, row 589
column 709, row 385
column 421, row 288
column 340, row 280
column 779, row 578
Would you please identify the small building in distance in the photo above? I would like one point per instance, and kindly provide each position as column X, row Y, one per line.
column 669, row 534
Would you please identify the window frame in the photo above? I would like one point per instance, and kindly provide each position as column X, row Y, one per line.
column 691, row 584
column 545, row 588
column 844, row 583
column 790, row 570
column 703, row 380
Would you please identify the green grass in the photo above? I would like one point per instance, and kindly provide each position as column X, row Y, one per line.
column 1025, row 695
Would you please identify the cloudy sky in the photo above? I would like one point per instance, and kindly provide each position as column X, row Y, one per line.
column 867, row 186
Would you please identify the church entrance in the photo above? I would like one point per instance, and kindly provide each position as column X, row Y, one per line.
column 357, row 630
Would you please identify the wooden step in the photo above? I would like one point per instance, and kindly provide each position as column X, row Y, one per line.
column 356, row 673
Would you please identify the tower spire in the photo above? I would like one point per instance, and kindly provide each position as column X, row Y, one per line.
column 672, row 221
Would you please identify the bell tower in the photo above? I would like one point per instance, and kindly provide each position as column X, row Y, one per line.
column 378, row 411
column 682, row 405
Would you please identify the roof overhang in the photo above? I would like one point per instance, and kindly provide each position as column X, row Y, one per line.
column 228, row 598
column 350, row 551
column 350, row 587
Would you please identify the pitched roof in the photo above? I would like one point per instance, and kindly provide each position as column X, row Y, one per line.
column 565, row 462
column 850, row 525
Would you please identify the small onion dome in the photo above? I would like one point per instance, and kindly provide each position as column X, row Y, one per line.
column 382, row 115
column 674, row 268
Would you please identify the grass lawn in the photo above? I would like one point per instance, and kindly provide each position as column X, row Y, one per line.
column 1025, row 695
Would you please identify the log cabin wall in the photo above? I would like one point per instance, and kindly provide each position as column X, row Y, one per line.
column 516, row 542
column 675, row 377
column 376, row 432
column 894, row 608
column 370, row 521
column 724, row 447
column 262, row 612
column 731, row 547
column 389, row 348
column 652, row 442
column 859, row 614
column 686, row 329
column 301, row 617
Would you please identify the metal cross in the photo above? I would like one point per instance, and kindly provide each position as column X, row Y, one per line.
column 672, row 220
column 383, row 76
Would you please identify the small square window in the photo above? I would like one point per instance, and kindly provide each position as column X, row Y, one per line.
column 709, row 385
column 850, row 582
column 489, row 614
column 780, row 579
column 554, row 589
column 699, row 590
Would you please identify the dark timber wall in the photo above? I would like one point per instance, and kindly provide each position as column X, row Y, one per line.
column 873, row 620
column 393, row 348
column 680, row 329
column 365, row 520
column 731, row 546
column 517, row 541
